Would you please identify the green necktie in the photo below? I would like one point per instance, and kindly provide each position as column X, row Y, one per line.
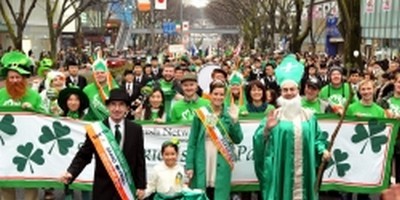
column 118, row 135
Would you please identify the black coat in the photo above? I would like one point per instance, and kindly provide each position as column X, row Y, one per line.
column 82, row 82
column 133, row 150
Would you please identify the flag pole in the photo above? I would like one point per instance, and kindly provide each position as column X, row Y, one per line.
column 324, row 163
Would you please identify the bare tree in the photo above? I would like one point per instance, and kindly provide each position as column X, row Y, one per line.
column 350, row 28
column 20, row 17
column 57, row 19
column 298, row 37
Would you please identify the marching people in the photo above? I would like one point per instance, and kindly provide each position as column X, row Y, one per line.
column 125, row 139
column 288, row 144
column 210, row 152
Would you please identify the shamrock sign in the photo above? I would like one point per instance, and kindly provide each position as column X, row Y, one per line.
column 337, row 162
column 370, row 135
column 28, row 156
column 7, row 127
column 57, row 135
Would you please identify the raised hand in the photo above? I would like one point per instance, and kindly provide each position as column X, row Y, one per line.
column 234, row 112
column 271, row 120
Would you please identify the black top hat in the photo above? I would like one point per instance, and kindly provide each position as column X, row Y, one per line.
column 118, row 94
column 67, row 92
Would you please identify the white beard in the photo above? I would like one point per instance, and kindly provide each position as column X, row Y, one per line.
column 290, row 108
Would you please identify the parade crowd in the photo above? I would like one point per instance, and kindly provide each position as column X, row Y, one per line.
column 287, row 89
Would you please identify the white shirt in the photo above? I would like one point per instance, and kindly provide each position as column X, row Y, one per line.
column 121, row 129
column 163, row 179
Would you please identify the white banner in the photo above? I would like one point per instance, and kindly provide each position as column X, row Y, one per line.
column 40, row 148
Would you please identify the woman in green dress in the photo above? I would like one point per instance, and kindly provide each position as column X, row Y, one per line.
column 210, row 150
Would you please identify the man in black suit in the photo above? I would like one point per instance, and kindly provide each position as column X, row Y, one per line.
column 129, row 136
column 140, row 80
column 74, row 79
column 155, row 68
column 128, row 85
column 269, row 80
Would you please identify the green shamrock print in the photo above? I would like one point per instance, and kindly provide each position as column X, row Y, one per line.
column 28, row 156
column 57, row 136
column 370, row 135
column 337, row 163
column 7, row 127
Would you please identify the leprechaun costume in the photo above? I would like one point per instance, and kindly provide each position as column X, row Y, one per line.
column 20, row 63
column 287, row 155
column 98, row 93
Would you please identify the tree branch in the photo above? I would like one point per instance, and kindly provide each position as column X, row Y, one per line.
column 31, row 7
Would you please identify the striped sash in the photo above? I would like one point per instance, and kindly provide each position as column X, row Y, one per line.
column 112, row 158
column 220, row 140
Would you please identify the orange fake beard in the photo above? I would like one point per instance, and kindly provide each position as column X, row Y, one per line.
column 16, row 90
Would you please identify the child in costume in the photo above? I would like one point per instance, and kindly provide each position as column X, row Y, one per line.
column 166, row 179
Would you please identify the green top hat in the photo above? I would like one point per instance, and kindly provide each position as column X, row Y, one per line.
column 15, row 61
column 289, row 70
column 67, row 92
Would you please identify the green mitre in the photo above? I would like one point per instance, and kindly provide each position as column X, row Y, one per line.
column 236, row 79
column 289, row 70
column 100, row 65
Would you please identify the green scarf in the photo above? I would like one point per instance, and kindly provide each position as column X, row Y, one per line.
column 73, row 114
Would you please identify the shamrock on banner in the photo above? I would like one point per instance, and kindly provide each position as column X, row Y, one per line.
column 57, row 135
column 371, row 135
column 338, row 162
column 7, row 127
column 29, row 156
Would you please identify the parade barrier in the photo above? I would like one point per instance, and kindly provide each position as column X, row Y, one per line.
column 35, row 151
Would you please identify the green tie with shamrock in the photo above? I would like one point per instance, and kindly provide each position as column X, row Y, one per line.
column 118, row 134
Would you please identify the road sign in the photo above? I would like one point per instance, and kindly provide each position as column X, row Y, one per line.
column 169, row 28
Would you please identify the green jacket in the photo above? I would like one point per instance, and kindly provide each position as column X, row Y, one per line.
column 196, row 156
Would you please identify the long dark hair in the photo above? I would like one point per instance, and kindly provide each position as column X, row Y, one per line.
column 147, row 105
column 80, row 109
